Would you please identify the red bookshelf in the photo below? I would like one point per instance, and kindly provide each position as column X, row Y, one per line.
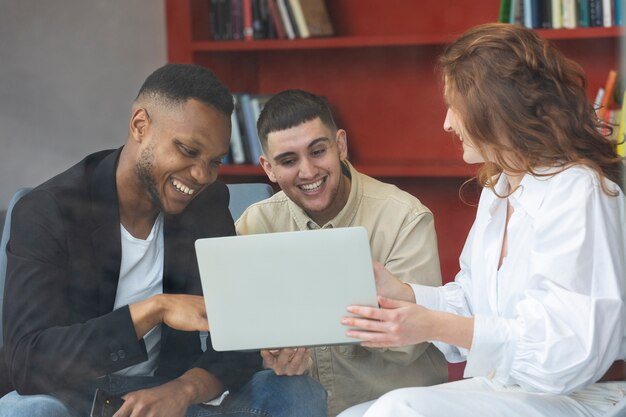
column 378, row 74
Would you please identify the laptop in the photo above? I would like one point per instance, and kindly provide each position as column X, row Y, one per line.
column 288, row 289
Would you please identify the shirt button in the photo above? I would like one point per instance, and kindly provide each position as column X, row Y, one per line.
column 121, row 354
column 114, row 357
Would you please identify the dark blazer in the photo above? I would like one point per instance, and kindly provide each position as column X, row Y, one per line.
column 63, row 267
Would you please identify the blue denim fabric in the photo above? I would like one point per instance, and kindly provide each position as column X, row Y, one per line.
column 265, row 395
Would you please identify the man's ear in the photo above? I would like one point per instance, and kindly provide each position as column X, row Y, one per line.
column 341, row 137
column 267, row 167
column 139, row 122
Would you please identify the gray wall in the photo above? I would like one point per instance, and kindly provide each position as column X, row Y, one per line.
column 69, row 70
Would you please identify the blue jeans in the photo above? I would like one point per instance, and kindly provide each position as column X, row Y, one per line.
column 265, row 395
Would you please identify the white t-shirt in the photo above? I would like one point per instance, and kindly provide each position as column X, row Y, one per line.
column 141, row 277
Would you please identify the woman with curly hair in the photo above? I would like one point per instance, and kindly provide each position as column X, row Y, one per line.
column 538, row 307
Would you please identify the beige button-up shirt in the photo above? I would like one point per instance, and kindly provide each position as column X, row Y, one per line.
column 402, row 237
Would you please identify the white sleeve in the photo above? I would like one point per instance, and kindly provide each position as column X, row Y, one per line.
column 452, row 298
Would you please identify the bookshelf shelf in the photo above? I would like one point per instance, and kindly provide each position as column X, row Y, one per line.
column 581, row 33
column 382, row 41
column 323, row 43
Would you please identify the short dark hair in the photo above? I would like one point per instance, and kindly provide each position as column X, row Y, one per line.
column 291, row 108
column 177, row 83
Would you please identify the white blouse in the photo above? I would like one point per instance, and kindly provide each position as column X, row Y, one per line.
column 552, row 318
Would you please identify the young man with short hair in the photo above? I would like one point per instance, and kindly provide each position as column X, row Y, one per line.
column 306, row 155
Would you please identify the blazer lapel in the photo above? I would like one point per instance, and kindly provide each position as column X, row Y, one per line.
column 106, row 239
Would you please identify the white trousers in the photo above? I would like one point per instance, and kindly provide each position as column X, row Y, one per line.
column 481, row 397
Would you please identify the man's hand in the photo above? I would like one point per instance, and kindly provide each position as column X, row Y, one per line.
column 161, row 401
column 389, row 286
column 173, row 398
column 178, row 311
column 290, row 361
column 184, row 312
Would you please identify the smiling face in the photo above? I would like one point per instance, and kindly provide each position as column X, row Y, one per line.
column 305, row 161
column 180, row 149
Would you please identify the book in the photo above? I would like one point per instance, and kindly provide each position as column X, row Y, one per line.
column 583, row 13
column 236, row 141
column 216, row 35
column 618, row 11
column 569, row 14
column 557, row 13
column 258, row 24
column 517, row 12
column 536, row 17
column 609, row 90
column 226, row 17
column 248, row 30
column 267, row 30
column 528, row 14
column 277, row 20
column 298, row 18
column 607, row 14
column 236, row 19
column 512, row 10
column 505, row 11
column 285, row 18
column 317, row 18
column 546, row 14
column 595, row 13
column 220, row 15
column 254, row 145
column 292, row 19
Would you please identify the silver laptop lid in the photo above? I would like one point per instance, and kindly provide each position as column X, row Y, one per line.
column 284, row 289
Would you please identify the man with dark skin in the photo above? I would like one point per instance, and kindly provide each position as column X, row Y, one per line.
column 102, row 285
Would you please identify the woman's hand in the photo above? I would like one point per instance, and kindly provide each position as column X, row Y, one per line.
column 399, row 323
column 396, row 323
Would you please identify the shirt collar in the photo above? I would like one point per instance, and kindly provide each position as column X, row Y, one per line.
column 346, row 214
column 531, row 191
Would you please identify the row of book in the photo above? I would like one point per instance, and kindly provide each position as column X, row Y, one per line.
column 245, row 147
column 269, row 19
column 557, row 14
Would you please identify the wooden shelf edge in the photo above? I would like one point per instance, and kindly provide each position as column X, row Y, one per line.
column 581, row 33
column 320, row 43
column 382, row 41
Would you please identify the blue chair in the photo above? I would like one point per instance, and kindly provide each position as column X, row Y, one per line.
column 3, row 247
column 243, row 195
